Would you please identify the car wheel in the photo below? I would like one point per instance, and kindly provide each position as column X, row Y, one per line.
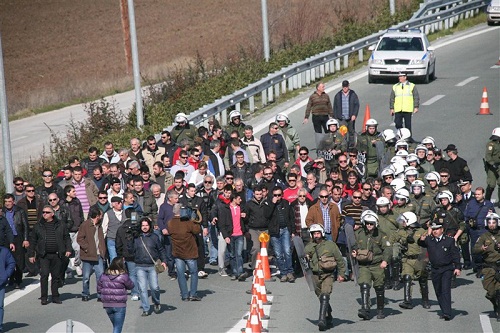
column 426, row 77
column 433, row 74
column 490, row 23
column 371, row 79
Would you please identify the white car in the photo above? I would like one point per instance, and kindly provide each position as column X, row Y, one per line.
column 407, row 51
column 493, row 11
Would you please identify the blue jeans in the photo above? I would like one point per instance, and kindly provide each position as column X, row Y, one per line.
column 236, row 255
column 88, row 267
column 283, row 251
column 192, row 264
column 2, row 297
column 212, row 233
column 167, row 244
column 117, row 317
column 132, row 273
column 146, row 275
column 111, row 245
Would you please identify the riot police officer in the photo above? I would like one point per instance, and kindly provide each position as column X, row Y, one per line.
column 488, row 245
column 372, row 251
column 492, row 164
column 332, row 145
column 235, row 123
column 424, row 203
column 367, row 144
column 290, row 134
column 388, row 225
column 320, row 251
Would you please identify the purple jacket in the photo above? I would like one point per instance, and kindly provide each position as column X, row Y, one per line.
column 113, row 290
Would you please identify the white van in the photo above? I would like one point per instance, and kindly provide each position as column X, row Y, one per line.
column 493, row 11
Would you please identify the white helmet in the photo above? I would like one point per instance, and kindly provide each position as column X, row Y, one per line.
column 412, row 158
column 283, row 117
column 402, row 143
column 402, row 153
column 398, row 184
column 181, row 118
column 402, row 194
column 496, row 131
column 369, row 216
column 409, row 218
column 387, row 172
column 388, row 135
column 491, row 216
column 403, row 134
column 421, row 147
column 383, row 201
column 234, row 114
column 445, row 195
column 399, row 169
column 429, row 140
column 411, row 171
column 417, row 183
column 371, row 122
column 397, row 159
column 317, row 227
column 433, row 175
column 332, row 121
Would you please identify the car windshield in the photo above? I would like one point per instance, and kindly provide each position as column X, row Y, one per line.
column 400, row 44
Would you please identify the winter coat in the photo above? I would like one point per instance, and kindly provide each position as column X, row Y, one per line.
column 86, row 240
column 38, row 239
column 7, row 265
column 153, row 245
column 113, row 289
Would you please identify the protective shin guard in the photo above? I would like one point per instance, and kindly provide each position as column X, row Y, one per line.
column 396, row 267
column 380, row 302
column 407, row 293
column 424, row 290
column 364, row 312
column 324, row 299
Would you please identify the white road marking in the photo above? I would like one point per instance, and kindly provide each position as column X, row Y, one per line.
column 20, row 293
column 485, row 323
column 495, row 66
column 464, row 82
column 19, row 138
column 243, row 322
column 433, row 99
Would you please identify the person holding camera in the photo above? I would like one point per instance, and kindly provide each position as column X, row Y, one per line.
column 183, row 232
column 475, row 213
column 147, row 249
column 324, row 256
column 488, row 246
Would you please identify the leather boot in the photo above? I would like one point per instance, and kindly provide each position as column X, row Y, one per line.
column 380, row 302
column 497, row 310
column 329, row 317
column 323, row 307
column 364, row 312
column 387, row 279
column 489, row 192
column 407, row 293
column 424, row 290
column 396, row 267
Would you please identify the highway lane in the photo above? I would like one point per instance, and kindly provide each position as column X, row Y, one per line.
column 450, row 119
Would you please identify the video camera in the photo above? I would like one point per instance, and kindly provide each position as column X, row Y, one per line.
column 134, row 228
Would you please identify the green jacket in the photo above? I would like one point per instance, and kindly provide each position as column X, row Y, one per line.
column 413, row 248
column 388, row 225
column 424, row 206
column 324, row 248
column 365, row 145
column 377, row 242
column 492, row 155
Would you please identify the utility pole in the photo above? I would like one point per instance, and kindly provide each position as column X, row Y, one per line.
column 135, row 65
column 4, row 117
column 265, row 30
column 392, row 7
column 126, row 35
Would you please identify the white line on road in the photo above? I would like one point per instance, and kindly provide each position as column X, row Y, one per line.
column 433, row 99
column 464, row 82
column 243, row 322
column 19, row 138
column 485, row 323
column 18, row 294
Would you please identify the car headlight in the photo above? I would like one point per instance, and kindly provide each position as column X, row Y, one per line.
column 488, row 9
column 417, row 62
column 377, row 62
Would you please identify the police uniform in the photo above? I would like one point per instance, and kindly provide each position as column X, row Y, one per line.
column 414, row 265
column 408, row 207
column 492, row 166
column 444, row 257
column 240, row 128
column 378, row 243
column 188, row 131
column 292, row 139
column 323, row 280
column 388, row 225
column 424, row 206
column 491, row 267
column 331, row 141
column 366, row 146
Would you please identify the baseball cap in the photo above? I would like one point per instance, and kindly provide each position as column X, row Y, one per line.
column 345, row 83
column 115, row 180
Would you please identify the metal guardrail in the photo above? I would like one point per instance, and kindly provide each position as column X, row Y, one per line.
column 432, row 16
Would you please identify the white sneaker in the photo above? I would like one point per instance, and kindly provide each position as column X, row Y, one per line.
column 79, row 271
column 202, row 274
column 135, row 297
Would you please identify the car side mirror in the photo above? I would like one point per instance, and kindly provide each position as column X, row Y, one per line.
column 372, row 47
column 430, row 48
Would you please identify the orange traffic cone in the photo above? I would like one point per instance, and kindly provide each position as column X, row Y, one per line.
column 262, row 288
column 367, row 116
column 254, row 320
column 255, row 288
column 265, row 262
column 484, row 109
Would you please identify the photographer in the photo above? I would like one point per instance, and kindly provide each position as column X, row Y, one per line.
column 146, row 249
column 124, row 240
column 185, row 250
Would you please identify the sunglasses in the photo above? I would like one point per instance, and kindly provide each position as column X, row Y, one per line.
column 444, row 176
column 275, row 128
column 343, row 161
column 30, row 190
column 229, row 178
column 19, row 184
column 103, row 197
column 208, row 182
column 323, row 196
column 356, row 197
column 197, row 155
column 292, row 180
column 303, row 154
column 277, row 195
column 183, row 157
column 52, row 200
column 367, row 189
column 302, row 196
column 268, row 174
column 44, row 212
column 47, row 175
column 353, row 155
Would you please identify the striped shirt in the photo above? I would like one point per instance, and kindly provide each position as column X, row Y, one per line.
column 81, row 194
column 319, row 105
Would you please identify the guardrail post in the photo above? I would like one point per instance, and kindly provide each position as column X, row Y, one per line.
column 270, row 95
column 290, row 83
column 446, row 24
column 295, row 81
column 451, row 22
column 346, row 61
column 308, row 77
column 301, row 80
column 337, row 64
column 317, row 72
column 283, row 87
column 264, row 97
column 277, row 90
column 360, row 55
column 251, row 104
column 237, row 107
column 332, row 66
column 322, row 70
column 313, row 74
column 223, row 117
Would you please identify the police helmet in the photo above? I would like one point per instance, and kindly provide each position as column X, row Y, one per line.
column 445, row 195
column 402, row 193
column 429, row 140
column 332, row 121
column 383, row 201
column 417, row 183
column 282, row 117
column 433, row 175
column 371, row 122
column 181, row 118
column 421, row 147
column 411, row 171
column 234, row 114
column 398, row 184
column 317, row 227
column 402, row 153
column 388, row 135
column 369, row 216
column 490, row 217
column 387, row 172
column 402, row 143
column 409, row 218
column 403, row 134
column 412, row 158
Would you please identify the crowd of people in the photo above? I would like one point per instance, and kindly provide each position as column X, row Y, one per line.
column 202, row 196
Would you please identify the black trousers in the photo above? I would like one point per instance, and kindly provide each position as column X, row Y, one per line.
column 319, row 123
column 441, row 280
column 201, row 252
column 50, row 264
column 399, row 117
column 19, row 253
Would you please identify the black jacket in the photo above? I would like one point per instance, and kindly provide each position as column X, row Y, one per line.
column 271, row 213
column 222, row 211
column 353, row 104
column 196, row 203
column 154, row 246
column 20, row 222
column 76, row 212
column 63, row 215
column 38, row 238
column 256, row 219
column 6, row 235
column 125, row 241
